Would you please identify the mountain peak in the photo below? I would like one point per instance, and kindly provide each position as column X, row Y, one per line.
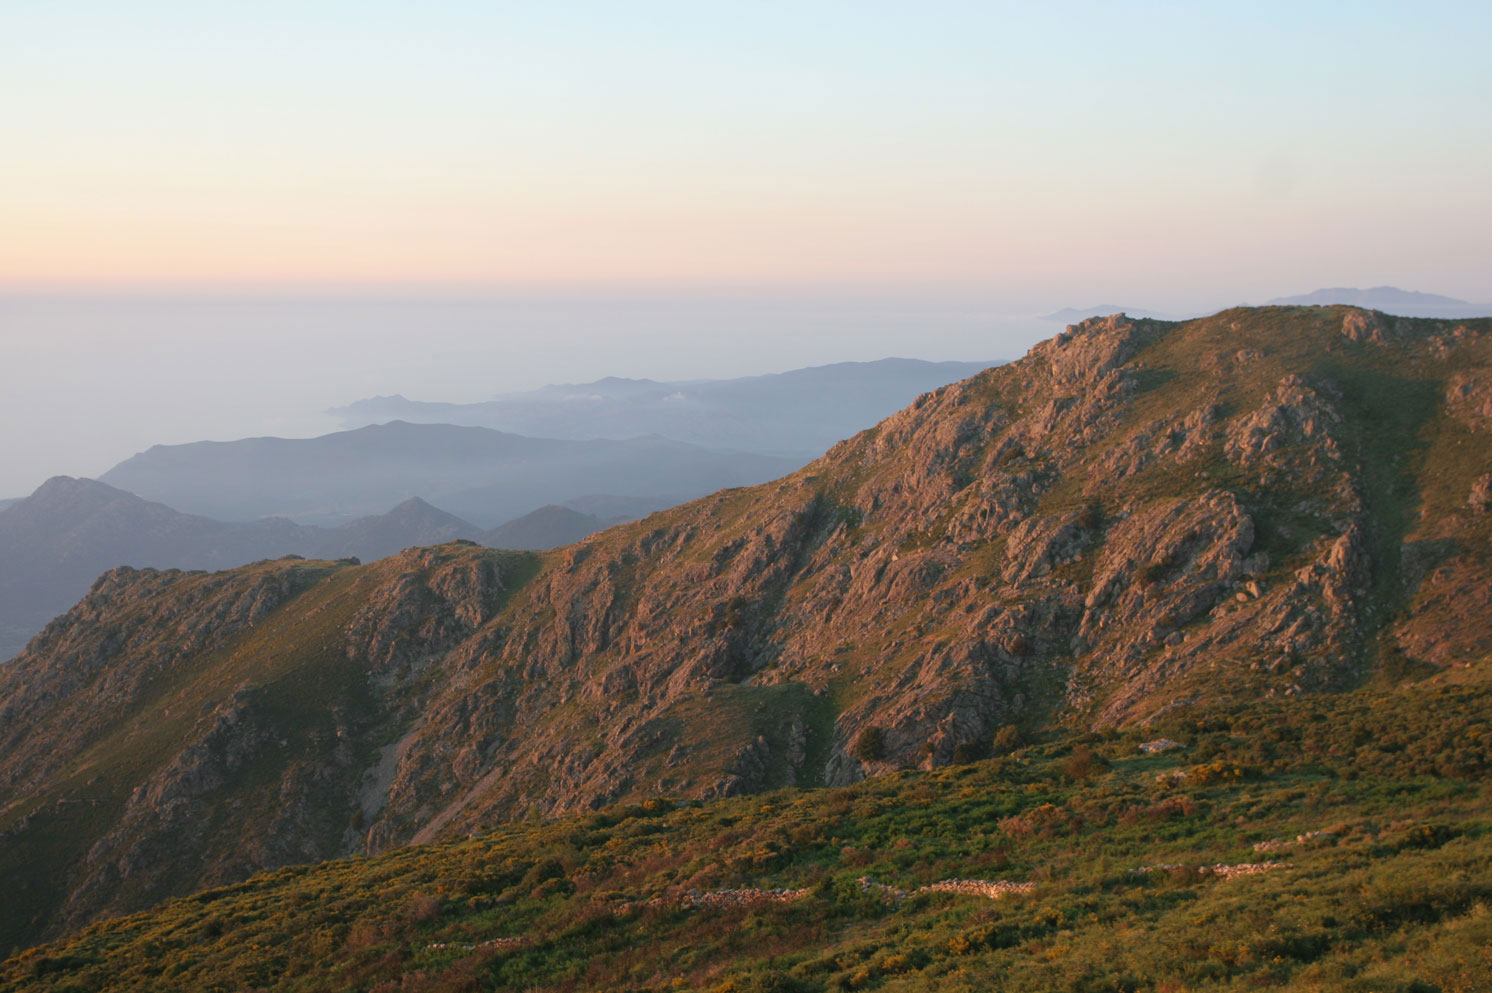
column 546, row 527
column 73, row 490
column 73, row 484
column 414, row 505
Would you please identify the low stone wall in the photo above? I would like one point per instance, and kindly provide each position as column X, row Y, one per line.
column 507, row 942
column 1278, row 844
column 715, row 898
column 991, row 889
column 978, row 887
column 1219, row 869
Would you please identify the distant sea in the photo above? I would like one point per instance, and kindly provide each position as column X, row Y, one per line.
column 89, row 380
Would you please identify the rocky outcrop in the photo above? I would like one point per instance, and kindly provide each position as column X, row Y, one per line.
column 431, row 602
column 1468, row 398
column 1091, row 349
column 1294, row 413
column 1479, row 495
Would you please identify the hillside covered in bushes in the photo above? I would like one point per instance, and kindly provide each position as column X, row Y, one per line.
column 1332, row 844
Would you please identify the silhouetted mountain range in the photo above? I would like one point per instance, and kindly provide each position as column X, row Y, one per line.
column 54, row 543
column 482, row 475
column 1072, row 315
column 798, row 413
column 547, row 527
column 1388, row 299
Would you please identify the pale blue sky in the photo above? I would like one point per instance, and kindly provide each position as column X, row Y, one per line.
column 1183, row 151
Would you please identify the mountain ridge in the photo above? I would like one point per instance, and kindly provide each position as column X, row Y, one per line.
column 479, row 474
column 1136, row 521
column 547, row 527
column 1072, row 315
column 796, row 413
column 57, row 541
column 1387, row 299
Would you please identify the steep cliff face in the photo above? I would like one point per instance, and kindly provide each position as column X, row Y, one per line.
column 1135, row 518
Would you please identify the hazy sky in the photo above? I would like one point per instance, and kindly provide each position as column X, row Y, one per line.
column 1181, row 152
column 88, row 381
column 673, row 189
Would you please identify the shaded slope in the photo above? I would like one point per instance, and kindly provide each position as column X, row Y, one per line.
column 177, row 728
column 545, row 527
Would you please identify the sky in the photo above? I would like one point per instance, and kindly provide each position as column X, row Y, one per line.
column 449, row 199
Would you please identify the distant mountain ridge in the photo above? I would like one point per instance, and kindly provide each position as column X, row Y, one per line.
column 213, row 505
column 56, row 542
column 482, row 475
column 1386, row 299
column 1389, row 300
column 1072, row 315
column 798, row 413
column 547, row 527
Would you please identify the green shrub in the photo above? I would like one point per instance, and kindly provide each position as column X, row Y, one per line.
column 1007, row 739
column 541, row 872
column 1220, row 772
column 771, row 981
column 422, row 907
column 1394, row 896
column 869, row 746
column 1152, row 572
column 1084, row 763
column 969, row 751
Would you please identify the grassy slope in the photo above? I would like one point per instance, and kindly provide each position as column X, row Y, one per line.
column 292, row 668
column 87, row 796
column 1395, row 896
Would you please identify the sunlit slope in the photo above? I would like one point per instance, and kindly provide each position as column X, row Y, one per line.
column 1139, row 520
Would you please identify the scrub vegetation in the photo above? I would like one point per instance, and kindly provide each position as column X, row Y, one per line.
column 1320, row 843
